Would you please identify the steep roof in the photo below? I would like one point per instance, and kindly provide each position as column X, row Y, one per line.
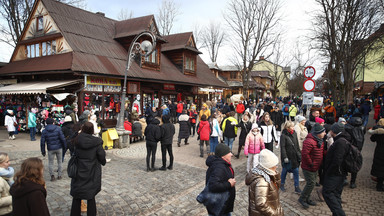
column 91, row 37
column 179, row 41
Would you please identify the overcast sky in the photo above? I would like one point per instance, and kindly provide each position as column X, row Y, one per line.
column 295, row 23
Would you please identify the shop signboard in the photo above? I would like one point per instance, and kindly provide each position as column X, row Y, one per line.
column 168, row 86
column 91, row 80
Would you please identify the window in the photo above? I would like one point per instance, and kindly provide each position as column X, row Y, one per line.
column 39, row 23
column 152, row 58
column 41, row 49
column 233, row 75
column 189, row 63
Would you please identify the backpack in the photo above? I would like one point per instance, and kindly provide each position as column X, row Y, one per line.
column 286, row 109
column 353, row 160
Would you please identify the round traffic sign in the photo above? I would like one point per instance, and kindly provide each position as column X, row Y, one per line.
column 309, row 85
column 309, row 72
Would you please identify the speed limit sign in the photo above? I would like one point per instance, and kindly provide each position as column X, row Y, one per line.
column 309, row 72
column 309, row 85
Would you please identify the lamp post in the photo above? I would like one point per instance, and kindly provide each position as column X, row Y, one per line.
column 145, row 48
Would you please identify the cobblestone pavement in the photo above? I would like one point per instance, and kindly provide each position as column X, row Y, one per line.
column 127, row 189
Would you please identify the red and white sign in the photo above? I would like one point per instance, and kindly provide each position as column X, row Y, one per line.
column 309, row 85
column 309, row 72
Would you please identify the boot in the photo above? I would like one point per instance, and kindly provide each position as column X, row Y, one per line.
column 178, row 144
column 303, row 203
column 282, row 188
column 53, row 178
column 352, row 185
column 170, row 167
column 162, row 168
column 297, row 190
column 83, row 206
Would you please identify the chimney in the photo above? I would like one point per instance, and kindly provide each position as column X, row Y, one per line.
column 261, row 58
column 100, row 14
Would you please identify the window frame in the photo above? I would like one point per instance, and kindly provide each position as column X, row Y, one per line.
column 39, row 23
column 44, row 48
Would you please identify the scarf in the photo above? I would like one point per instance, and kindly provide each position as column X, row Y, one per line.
column 318, row 140
column 266, row 173
column 291, row 131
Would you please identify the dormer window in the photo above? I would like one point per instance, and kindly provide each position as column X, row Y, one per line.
column 233, row 75
column 39, row 23
column 152, row 58
column 189, row 63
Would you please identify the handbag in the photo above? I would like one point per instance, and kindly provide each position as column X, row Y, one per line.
column 72, row 166
column 288, row 166
column 214, row 202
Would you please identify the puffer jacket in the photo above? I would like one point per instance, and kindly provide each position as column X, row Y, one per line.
column 253, row 143
column 54, row 137
column 290, row 148
column 6, row 198
column 206, row 112
column 204, row 130
column 31, row 119
column 311, row 154
column 240, row 108
column 378, row 157
column 263, row 196
column 137, row 129
column 268, row 132
column 184, row 126
column 229, row 127
column 167, row 132
column 302, row 133
column 292, row 110
column 152, row 131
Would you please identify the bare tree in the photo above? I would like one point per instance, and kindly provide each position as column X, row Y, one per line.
column 341, row 31
column 168, row 11
column 15, row 13
column 197, row 33
column 124, row 14
column 253, row 23
column 213, row 38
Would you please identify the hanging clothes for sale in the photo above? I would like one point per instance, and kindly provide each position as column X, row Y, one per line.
column 179, row 96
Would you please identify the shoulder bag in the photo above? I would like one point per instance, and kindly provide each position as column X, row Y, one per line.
column 72, row 166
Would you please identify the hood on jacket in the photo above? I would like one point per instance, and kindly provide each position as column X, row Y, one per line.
column 183, row 117
column 213, row 159
column 50, row 127
column 155, row 121
column 87, row 141
column 25, row 188
column 204, row 123
column 355, row 121
column 344, row 135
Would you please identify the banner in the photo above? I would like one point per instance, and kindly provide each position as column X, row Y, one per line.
column 103, row 81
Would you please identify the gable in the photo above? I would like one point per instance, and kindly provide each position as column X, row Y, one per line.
column 40, row 27
column 191, row 42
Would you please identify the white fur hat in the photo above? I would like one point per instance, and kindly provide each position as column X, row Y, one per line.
column 254, row 125
column 268, row 159
column 67, row 119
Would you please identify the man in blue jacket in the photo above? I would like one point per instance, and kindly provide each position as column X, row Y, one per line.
column 54, row 137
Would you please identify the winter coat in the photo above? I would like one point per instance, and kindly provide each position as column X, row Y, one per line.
column 330, row 111
column 268, row 132
column 54, row 137
column 311, row 154
column 218, row 173
column 184, row 126
column 301, row 132
column 7, row 174
column 253, row 144
column 240, row 108
column 179, row 108
column 285, row 113
column 127, row 126
column 229, row 127
column 355, row 129
column 8, row 122
column 292, row 110
column 263, row 196
column 365, row 108
column 143, row 125
column 310, row 123
column 29, row 199
column 378, row 157
column 204, row 130
column 66, row 128
column 333, row 163
column 216, row 131
column 226, row 109
column 167, row 132
column 166, row 111
column 152, row 132
column 205, row 112
column 289, row 148
column 377, row 112
column 137, row 129
column 5, row 198
column 193, row 117
column 245, row 129
column 90, row 156
column 31, row 120
column 277, row 118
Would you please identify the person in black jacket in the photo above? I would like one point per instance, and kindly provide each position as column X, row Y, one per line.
column 278, row 119
column 167, row 132
column 87, row 183
column 67, row 132
column 334, row 171
column 152, row 135
column 54, row 137
column 355, row 129
column 184, row 128
column 220, row 177
column 377, row 170
column 28, row 192
column 246, row 126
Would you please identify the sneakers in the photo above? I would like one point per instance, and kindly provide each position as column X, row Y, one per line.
column 13, row 137
column 352, row 185
column 297, row 190
column 311, row 202
column 163, row 168
column 303, row 203
column 83, row 206
column 301, row 179
column 282, row 188
column 53, row 178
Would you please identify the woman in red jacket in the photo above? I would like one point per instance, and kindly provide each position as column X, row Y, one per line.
column 377, row 108
column 204, row 132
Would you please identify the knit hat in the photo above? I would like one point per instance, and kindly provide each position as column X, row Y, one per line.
column 318, row 129
column 300, row 118
column 319, row 120
column 337, row 127
column 221, row 150
column 268, row 159
column 67, row 119
column 342, row 120
column 254, row 125
column 49, row 121
column 10, row 111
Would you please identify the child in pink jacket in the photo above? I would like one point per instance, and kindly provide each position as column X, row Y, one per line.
column 254, row 143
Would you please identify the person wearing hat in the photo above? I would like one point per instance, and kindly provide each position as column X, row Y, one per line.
column 254, row 143
column 220, row 177
column 301, row 130
column 10, row 123
column 54, row 137
column 264, row 183
column 311, row 158
column 67, row 129
column 334, row 170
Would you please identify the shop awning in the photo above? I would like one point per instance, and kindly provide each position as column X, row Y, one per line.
column 38, row 87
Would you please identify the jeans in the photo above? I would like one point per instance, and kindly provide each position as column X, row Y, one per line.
column 332, row 189
column 295, row 176
column 32, row 133
column 229, row 142
column 365, row 120
column 253, row 161
column 151, row 150
column 164, row 149
column 59, row 157
column 213, row 142
column 76, row 207
column 310, row 179
column 193, row 128
column 202, row 147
